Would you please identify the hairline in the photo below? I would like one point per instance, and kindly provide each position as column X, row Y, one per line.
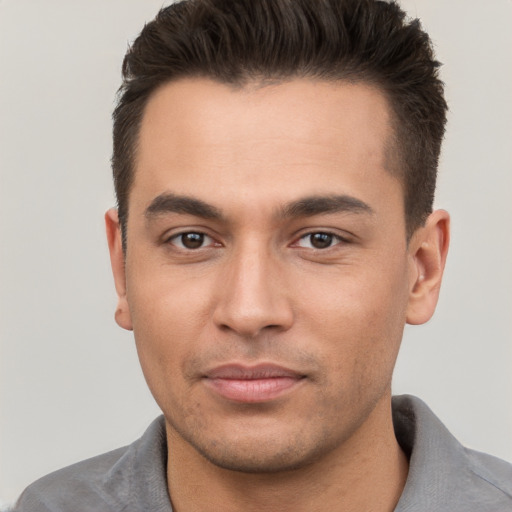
column 394, row 152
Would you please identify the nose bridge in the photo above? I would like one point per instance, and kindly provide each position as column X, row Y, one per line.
column 253, row 297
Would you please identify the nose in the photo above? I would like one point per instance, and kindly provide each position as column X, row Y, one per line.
column 253, row 296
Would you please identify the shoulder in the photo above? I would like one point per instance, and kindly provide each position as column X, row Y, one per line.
column 443, row 474
column 494, row 473
column 82, row 483
column 114, row 481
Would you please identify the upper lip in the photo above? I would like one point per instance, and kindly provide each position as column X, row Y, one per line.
column 255, row 372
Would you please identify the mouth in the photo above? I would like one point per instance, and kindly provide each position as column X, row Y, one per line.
column 252, row 384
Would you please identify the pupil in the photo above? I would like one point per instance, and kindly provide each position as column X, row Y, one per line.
column 192, row 240
column 321, row 240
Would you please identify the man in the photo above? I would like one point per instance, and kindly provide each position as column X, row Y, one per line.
column 275, row 168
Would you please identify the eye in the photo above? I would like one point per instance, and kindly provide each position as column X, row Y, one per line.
column 191, row 240
column 319, row 240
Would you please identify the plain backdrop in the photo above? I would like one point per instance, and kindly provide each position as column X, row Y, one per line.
column 70, row 384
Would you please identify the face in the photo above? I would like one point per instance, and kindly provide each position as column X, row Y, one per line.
column 267, row 276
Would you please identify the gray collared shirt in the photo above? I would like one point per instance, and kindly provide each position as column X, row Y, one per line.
column 443, row 475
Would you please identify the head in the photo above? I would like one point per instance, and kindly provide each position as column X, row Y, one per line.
column 275, row 166
column 236, row 43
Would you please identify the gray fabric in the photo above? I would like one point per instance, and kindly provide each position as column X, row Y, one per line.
column 129, row 479
column 443, row 476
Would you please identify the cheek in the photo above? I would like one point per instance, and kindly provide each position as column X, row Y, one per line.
column 359, row 315
column 167, row 303
column 357, row 300
column 168, row 320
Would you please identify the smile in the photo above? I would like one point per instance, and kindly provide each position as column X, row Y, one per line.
column 255, row 384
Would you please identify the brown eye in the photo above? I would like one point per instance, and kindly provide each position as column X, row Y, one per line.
column 319, row 240
column 191, row 240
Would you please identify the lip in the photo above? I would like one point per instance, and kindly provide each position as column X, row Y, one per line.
column 252, row 384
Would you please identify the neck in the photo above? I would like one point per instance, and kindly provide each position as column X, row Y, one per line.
column 367, row 472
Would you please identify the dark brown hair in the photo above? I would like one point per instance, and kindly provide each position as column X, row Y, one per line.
column 239, row 41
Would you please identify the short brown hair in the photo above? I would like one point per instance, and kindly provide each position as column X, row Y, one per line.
column 238, row 41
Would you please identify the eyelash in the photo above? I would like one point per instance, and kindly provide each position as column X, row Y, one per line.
column 333, row 240
column 179, row 236
column 331, row 237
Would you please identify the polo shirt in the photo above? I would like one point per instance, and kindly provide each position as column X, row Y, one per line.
column 443, row 475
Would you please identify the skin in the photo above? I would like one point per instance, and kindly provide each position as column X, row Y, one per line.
column 256, row 290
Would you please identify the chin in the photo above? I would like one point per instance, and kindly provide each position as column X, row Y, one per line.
column 253, row 460
column 259, row 451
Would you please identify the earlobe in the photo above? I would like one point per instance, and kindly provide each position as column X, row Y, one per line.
column 115, row 247
column 428, row 250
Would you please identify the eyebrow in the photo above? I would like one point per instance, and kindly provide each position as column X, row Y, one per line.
column 172, row 203
column 317, row 205
column 304, row 207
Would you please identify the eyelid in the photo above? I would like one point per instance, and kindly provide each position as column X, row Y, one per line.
column 344, row 238
column 169, row 239
column 335, row 240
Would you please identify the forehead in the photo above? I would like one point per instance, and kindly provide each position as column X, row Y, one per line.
column 199, row 135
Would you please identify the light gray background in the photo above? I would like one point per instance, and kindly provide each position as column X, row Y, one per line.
column 70, row 385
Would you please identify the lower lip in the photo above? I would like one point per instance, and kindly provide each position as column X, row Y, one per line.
column 252, row 390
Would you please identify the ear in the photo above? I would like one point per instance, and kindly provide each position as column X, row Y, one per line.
column 428, row 249
column 115, row 247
